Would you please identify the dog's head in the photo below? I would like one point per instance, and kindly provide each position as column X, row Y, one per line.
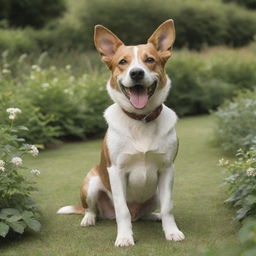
column 138, row 82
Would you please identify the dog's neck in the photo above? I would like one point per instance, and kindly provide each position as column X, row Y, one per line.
column 151, row 116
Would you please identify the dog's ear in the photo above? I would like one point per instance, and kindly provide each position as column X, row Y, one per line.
column 163, row 38
column 106, row 43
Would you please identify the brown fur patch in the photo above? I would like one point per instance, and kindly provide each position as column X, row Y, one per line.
column 99, row 170
column 148, row 50
column 104, row 163
column 84, row 188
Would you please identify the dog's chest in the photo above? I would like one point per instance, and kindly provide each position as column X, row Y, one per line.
column 142, row 158
column 141, row 151
column 142, row 170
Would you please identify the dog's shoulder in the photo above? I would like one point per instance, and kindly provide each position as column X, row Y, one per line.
column 168, row 119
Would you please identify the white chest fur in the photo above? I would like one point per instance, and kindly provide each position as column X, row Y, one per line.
column 141, row 150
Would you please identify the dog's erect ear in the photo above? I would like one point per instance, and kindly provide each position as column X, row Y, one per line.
column 163, row 38
column 106, row 43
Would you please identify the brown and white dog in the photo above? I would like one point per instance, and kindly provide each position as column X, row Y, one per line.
column 136, row 170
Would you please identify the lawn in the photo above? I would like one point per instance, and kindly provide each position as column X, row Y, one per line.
column 198, row 200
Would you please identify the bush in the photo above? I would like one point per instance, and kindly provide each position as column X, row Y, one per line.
column 59, row 37
column 201, row 82
column 236, row 122
column 242, row 183
column 197, row 24
column 18, row 212
column 17, row 41
column 56, row 104
column 22, row 13
column 247, row 236
column 241, row 27
column 251, row 4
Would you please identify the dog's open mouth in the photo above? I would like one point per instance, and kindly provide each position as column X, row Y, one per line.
column 138, row 94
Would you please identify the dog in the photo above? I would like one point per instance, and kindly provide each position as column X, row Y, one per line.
column 135, row 173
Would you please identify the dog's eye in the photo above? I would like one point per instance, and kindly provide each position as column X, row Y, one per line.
column 150, row 60
column 122, row 62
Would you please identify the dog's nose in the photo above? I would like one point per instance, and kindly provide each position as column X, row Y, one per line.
column 136, row 74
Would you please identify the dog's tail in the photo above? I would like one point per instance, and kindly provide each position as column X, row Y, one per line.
column 71, row 209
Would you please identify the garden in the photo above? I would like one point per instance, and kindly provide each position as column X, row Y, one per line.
column 52, row 98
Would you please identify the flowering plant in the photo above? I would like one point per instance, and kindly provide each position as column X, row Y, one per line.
column 242, row 183
column 17, row 210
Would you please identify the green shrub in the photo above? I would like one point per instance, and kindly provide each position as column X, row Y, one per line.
column 247, row 236
column 201, row 82
column 242, row 183
column 17, row 41
column 241, row 28
column 251, row 4
column 197, row 23
column 236, row 122
column 56, row 104
column 22, row 13
column 18, row 212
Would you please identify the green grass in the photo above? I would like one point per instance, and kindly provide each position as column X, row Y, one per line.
column 198, row 200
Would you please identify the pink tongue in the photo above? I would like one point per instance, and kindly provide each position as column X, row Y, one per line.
column 139, row 99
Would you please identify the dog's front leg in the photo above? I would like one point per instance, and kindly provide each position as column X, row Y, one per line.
column 123, row 217
column 165, row 193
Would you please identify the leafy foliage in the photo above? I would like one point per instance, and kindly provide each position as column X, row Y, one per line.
column 247, row 236
column 18, row 211
column 22, row 13
column 197, row 23
column 251, row 4
column 61, row 101
column 200, row 84
column 242, row 183
column 236, row 122
column 242, row 189
column 56, row 104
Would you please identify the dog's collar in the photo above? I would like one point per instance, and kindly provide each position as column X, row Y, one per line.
column 145, row 118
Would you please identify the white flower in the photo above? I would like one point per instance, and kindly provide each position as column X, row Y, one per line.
column 33, row 150
column 6, row 71
column 17, row 161
column 36, row 68
column 55, row 80
column 2, row 163
column 35, row 172
column 68, row 67
column 12, row 116
column 221, row 162
column 13, row 112
column 71, row 79
column 251, row 171
column 45, row 85
column 22, row 58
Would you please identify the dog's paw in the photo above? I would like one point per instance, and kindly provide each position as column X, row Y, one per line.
column 124, row 241
column 88, row 219
column 175, row 235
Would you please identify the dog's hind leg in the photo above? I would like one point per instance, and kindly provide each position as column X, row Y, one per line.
column 89, row 195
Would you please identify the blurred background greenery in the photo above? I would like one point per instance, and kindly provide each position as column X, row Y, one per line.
column 48, row 58
column 49, row 67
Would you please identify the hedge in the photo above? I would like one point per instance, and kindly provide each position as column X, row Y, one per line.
column 197, row 23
